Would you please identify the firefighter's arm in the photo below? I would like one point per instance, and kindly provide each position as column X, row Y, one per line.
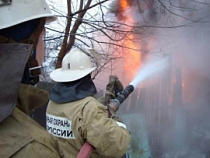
column 108, row 137
column 112, row 89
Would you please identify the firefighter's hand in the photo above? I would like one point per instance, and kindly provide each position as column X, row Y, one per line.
column 112, row 89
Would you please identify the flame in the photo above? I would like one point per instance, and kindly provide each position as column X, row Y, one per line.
column 123, row 4
column 131, row 56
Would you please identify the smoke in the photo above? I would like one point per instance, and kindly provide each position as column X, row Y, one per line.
column 190, row 54
column 175, row 108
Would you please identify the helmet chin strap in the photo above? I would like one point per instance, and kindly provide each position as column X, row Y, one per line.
column 32, row 69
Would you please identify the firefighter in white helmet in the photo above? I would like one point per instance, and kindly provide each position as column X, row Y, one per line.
column 21, row 26
column 74, row 116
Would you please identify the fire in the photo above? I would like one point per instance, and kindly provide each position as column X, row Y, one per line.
column 123, row 4
column 131, row 56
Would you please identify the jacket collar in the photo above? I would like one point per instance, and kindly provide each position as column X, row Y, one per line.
column 73, row 91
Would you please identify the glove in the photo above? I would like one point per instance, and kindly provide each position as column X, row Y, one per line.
column 112, row 89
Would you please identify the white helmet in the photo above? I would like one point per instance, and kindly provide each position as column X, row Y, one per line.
column 13, row 12
column 75, row 65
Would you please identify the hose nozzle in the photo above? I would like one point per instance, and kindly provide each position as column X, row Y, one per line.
column 121, row 97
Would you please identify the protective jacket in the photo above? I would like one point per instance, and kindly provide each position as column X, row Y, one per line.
column 20, row 136
column 74, row 122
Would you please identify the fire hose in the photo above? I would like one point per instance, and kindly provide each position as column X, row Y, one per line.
column 86, row 149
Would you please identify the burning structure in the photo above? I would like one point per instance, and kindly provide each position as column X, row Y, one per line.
column 168, row 113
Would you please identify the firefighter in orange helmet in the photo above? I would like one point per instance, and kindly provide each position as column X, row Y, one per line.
column 21, row 26
column 74, row 116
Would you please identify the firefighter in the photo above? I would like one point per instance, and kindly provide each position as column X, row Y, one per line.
column 74, row 116
column 21, row 27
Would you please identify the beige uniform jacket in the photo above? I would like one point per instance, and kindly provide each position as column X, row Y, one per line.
column 73, row 123
column 20, row 135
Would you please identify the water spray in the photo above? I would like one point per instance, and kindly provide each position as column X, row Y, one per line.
column 143, row 73
column 149, row 69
